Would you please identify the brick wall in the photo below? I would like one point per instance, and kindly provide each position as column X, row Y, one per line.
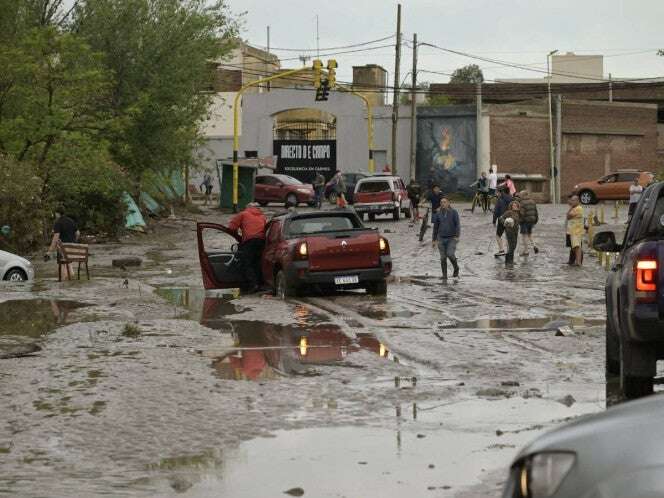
column 520, row 140
column 602, row 137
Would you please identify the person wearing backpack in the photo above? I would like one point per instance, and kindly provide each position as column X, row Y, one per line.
column 529, row 218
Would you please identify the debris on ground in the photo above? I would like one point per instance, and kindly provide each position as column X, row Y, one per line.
column 567, row 400
column 295, row 492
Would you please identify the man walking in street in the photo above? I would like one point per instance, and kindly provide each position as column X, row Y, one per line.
column 414, row 193
column 446, row 231
column 250, row 226
column 575, row 230
column 502, row 205
column 339, row 187
column 207, row 183
column 635, row 192
column 529, row 218
column 319, row 185
column 435, row 197
column 65, row 231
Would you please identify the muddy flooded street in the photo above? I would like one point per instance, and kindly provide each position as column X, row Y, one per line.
column 139, row 383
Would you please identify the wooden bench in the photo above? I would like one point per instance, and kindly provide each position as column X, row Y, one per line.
column 72, row 253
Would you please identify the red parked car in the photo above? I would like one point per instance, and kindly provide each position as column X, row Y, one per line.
column 328, row 249
column 381, row 194
column 283, row 189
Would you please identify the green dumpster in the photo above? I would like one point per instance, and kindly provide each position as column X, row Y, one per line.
column 246, row 182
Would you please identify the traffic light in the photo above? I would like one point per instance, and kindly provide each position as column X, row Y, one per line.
column 322, row 91
column 332, row 73
column 318, row 67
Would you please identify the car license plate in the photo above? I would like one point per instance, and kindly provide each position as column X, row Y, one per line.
column 350, row 279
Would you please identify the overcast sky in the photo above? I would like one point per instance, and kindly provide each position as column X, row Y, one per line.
column 628, row 33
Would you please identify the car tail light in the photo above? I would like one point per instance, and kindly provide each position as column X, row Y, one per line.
column 646, row 281
column 301, row 251
column 384, row 246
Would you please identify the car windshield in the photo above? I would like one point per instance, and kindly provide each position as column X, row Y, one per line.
column 288, row 180
column 326, row 223
column 374, row 186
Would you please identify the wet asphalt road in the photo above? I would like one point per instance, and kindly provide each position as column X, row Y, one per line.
column 157, row 389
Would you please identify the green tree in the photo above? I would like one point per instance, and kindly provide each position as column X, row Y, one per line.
column 159, row 52
column 467, row 74
column 52, row 90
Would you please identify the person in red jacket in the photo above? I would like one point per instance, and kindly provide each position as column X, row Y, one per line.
column 250, row 226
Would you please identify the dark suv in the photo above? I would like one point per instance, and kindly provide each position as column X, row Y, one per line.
column 635, row 296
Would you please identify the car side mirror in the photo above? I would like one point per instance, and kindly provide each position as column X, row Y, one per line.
column 605, row 242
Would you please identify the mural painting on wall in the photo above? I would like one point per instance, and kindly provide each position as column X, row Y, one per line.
column 446, row 153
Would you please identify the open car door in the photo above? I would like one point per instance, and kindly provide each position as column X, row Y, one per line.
column 220, row 267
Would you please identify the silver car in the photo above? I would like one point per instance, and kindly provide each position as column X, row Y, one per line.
column 618, row 453
column 15, row 268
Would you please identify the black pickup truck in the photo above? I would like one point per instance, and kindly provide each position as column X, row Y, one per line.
column 635, row 296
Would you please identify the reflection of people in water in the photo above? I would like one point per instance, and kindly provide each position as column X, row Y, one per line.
column 60, row 311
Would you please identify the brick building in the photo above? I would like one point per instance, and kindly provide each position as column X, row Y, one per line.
column 595, row 136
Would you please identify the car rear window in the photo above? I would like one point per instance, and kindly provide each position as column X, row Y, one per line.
column 316, row 224
column 374, row 186
column 656, row 226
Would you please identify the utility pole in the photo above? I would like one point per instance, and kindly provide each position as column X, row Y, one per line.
column 317, row 39
column 559, row 144
column 478, row 130
column 413, row 113
column 552, row 183
column 610, row 88
column 395, row 101
column 268, row 69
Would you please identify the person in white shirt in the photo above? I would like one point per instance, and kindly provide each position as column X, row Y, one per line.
column 493, row 181
column 635, row 191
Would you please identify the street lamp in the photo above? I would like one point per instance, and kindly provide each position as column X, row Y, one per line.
column 552, row 183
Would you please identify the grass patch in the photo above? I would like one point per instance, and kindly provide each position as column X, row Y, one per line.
column 130, row 330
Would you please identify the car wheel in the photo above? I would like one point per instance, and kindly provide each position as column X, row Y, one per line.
column 637, row 369
column 332, row 198
column 396, row 214
column 612, row 350
column 372, row 217
column 377, row 288
column 587, row 197
column 16, row 275
column 291, row 200
column 283, row 288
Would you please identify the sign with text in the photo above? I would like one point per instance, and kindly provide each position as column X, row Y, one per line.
column 302, row 159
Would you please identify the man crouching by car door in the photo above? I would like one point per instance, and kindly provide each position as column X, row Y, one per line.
column 249, row 225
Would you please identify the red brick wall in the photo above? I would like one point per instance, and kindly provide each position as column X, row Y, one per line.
column 601, row 137
column 520, row 144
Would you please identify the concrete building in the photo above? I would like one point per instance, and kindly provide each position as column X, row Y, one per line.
column 569, row 68
column 371, row 81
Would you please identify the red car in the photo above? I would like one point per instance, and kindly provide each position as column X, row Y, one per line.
column 327, row 249
column 283, row 189
column 381, row 194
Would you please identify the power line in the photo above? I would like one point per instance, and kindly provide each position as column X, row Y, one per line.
column 355, row 45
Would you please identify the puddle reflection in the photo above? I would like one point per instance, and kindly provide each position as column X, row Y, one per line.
column 267, row 351
column 32, row 318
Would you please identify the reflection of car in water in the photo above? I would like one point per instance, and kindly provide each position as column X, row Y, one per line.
column 634, row 294
column 267, row 351
column 327, row 249
column 614, row 454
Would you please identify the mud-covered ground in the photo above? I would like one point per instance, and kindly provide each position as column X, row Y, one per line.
column 145, row 386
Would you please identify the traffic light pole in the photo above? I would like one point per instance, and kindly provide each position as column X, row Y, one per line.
column 367, row 102
column 236, row 118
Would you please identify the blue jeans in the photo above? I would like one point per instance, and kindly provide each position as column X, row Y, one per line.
column 447, row 249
